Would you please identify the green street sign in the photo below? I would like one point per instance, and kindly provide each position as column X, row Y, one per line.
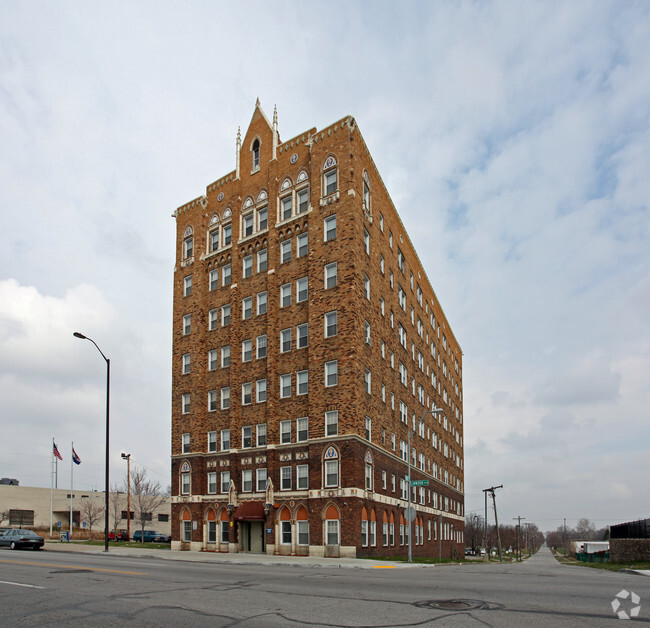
column 420, row 483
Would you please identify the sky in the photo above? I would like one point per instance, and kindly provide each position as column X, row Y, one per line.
column 513, row 138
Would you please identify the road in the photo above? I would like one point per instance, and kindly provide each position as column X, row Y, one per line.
column 52, row 588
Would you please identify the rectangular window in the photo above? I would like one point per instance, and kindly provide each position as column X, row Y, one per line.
column 285, row 386
column 225, row 315
column 285, row 207
column 185, row 403
column 302, row 200
column 260, row 480
column 373, row 533
column 247, row 394
column 302, row 336
column 366, row 241
column 212, row 482
column 225, row 440
column 185, row 483
column 368, row 381
column 260, row 432
column 214, row 240
column 302, row 429
column 302, row 383
column 261, row 303
column 214, row 279
column 212, row 400
column 400, row 259
column 247, row 308
column 226, row 275
column 247, row 436
column 213, row 319
column 332, row 532
column 302, row 477
column 187, row 286
column 364, row 533
column 382, row 265
column 227, row 235
column 302, row 289
column 285, row 251
column 225, row 356
column 262, row 219
column 368, row 477
column 262, row 261
column 285, row 295
column 383, row 480
column 260, row 390
column 213, row 359
column 247, row 266
column 261, row 346
column 212, row 439
column 285, row 340
column 186, row 443
column 247, row 480
column 225, row 398
column 331, row 423
column 331, row 473
column 285, row 532
column 367, row 327
column 366, row 283
column 302, row 245
column 186, row 363
column 331, row 275
column 247, row 224
column 285, row 478
column 368, row 428
column 331, row 373
column 246, row 350
column 330, row 182
column 331, row 324
column 285, row 432
column 330, row 228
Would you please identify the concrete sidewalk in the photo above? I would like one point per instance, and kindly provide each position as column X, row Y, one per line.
column 231, row 559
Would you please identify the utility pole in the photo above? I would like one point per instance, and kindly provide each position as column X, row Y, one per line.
column 496, row 519
column 127, row 457
column 518, row 534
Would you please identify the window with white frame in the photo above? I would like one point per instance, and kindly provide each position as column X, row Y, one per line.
column 368, row 428
column 226, row 275
column 246, row 394
column 285, row 532
column 400, row 260
column 285, row 340
column 302, row 429
column 212, row 482
column 331, row 423
column 213, row 319
column 185, row 443
column 247, row 266
column 260, row 391
column 247, row 225
column 285, row 295
column 285, row 432
column 213, row 359
column 302, row 289
column 366, row 241
column 302, row 382
column 212, row 441
column 285, row 478
column 302, row 245
column 247, row 481
column 247, row 308
column 331, row 473
column 383, row 480
column 329, row 177
column 225, row 356
column 213, row 279
column 261, row 303
column 332, row 531
column 185, row 482
column 246, row 350
column 331, row 278
column 302, row 477
column 285, row 251
column 187, row 286
column 225, row 397
column 188, row 246
column 285, row 385
column 302, row 200
column 260, row 433
column 262, row 218
column 368, row 381
column 382, row 265
column 225, row 315
column 260, row 480
column 331, row 373
column 186, row 363
column 247, row 436
column 331, row 324
column 261, row 346
column 366, row 286
column 302, row 336
column 227, row 235
column 212, row 400
column 214, row 239
column 262, row 260
column 367, row 327
column 225, row 440
column 286, row 206
column 330, row 228
column 185, row 403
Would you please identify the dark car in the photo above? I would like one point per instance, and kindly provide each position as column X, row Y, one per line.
column 16, row 539
column 149, row 536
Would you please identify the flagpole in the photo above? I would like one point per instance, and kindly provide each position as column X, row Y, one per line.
column 52, row 486
column 71, row 486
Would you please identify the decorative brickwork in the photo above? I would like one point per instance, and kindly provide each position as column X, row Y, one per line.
column 307, row 341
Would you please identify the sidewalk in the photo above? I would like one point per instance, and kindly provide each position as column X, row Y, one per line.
column 232, row 559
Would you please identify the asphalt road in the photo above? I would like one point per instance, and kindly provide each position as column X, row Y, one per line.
column 52, row 588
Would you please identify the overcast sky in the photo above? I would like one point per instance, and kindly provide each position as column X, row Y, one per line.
column 514, row 139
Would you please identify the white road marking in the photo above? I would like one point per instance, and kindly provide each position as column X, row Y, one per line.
column 20, row 584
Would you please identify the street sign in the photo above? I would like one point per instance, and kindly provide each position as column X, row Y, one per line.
column 420, row 483
column 409, row 514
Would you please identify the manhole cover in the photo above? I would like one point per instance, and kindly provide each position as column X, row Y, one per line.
column 459, row 605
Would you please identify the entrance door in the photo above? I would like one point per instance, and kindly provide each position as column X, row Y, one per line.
column 252, row 536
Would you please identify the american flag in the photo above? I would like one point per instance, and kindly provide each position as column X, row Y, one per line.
column 55, row 451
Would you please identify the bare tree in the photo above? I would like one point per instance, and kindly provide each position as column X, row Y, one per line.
column 116, row 503
column 585, row 530
column 91, row 512
column 146, row 497
column 474, row 531
column 4, row 516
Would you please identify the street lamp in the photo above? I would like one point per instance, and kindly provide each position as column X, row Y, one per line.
column 127, row 457
column 408, row 511
column 77, row 334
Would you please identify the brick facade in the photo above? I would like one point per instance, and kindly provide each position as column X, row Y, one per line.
column 325, row 173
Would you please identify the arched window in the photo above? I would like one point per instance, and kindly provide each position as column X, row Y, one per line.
column 186, row 526
column 225, row 526
column 331, row 467
column 372, row 532
column 186, row 478
column 188, row 243
column 332, row 526
column 302, row 521
column 369, row 473
column 256, row 155
column 330, row 176
column 384, row 529
column 364, row 527
column 211, row 519
column 284, row 517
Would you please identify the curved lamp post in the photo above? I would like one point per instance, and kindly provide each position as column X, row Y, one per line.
column 408, row 488
column 77, row 334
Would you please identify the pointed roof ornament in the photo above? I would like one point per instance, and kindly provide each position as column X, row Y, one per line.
column 275, row 116
column 257, row 102
column 238, row 153
column 276, row 136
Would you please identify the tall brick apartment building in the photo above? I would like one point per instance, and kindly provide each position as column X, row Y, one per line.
column 307, row 342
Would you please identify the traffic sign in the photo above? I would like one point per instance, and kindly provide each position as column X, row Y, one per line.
column 419, row 482
column 409, row 514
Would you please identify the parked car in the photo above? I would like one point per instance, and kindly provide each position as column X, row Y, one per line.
column 149, row 536
column 16, row 539
column 118, row 535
